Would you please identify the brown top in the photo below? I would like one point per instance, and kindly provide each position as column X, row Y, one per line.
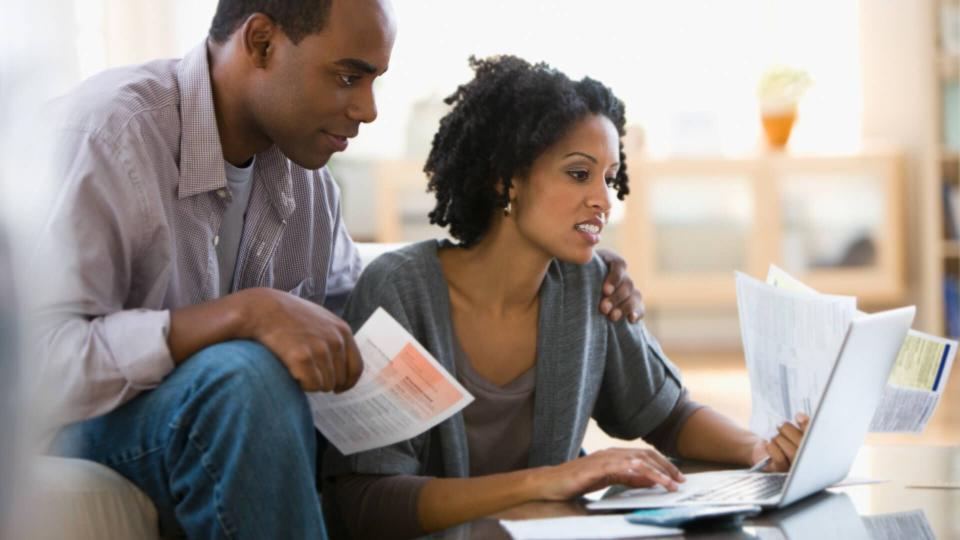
column 499, row 421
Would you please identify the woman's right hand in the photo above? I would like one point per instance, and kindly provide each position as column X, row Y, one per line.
column 633, row 467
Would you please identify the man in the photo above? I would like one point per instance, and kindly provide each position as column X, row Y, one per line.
column 211, row 259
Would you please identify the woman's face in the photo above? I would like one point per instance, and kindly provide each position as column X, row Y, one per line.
column 562, row 205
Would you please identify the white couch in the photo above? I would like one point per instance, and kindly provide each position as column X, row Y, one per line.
column 82, row 500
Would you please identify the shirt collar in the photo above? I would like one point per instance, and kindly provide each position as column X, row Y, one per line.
column 201, row 154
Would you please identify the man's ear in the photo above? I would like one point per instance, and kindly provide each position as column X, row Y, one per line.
column 258, row 34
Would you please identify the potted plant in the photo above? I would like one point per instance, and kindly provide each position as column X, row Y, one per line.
column 779, row 90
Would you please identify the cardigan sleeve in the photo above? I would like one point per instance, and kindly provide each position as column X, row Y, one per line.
column 665, row 436
column 640, row 388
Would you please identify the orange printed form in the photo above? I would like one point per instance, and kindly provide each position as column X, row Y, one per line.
column 402, row 393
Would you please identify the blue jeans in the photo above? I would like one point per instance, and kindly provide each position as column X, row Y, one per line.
column 225, row 447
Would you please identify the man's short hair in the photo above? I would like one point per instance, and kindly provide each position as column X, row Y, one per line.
column 297, row 18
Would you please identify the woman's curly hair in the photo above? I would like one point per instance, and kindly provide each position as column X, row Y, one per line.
column 502, row 120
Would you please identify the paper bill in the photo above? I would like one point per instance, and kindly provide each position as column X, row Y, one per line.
column 913, row 524
column 919, row 374
column 583, row 527
column 402, row 392
column 790, row 341
column 915, row 385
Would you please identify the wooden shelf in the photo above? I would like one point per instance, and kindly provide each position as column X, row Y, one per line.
column 759, row 234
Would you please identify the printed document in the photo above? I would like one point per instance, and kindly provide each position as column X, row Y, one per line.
column 790, row 341
column 918, row 377
column 911, row 524
column 402, row 392
column 583, row 527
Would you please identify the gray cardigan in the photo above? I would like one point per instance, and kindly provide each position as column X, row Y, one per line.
column 586, row 366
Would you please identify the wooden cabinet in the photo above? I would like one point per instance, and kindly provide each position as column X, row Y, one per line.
column 836, row 222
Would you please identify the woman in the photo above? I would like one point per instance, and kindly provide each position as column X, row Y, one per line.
column 521, row 168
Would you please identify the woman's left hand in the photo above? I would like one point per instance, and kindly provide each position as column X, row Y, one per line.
column 783, row 448
column 619, row 296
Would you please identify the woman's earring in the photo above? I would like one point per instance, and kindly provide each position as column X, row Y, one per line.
column 506, row 210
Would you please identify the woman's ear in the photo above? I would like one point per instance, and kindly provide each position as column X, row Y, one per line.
column 498, row 187
column 512, row 190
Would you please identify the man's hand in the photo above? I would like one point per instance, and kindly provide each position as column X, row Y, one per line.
column 619, row 296
column 316, row 346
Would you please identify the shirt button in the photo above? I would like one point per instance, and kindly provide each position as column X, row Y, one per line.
column 222, row 193
column 216, row 240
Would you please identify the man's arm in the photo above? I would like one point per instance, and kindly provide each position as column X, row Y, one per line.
column 315, row 345
column 96, row 348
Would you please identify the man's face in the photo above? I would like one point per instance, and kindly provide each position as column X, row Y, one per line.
column 311, row 97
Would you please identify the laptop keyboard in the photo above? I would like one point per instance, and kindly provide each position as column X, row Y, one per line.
column 754, row 487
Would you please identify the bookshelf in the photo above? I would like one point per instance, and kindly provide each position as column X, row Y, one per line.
column 947, row 166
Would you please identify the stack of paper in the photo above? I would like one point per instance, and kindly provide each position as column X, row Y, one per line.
column 791, row 336
column 790, row 340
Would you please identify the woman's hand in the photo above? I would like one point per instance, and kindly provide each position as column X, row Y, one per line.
column 783, row 448
column 627, row 466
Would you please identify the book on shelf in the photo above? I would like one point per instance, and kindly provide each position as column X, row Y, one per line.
column 951, row 303
column 951, row 210
column 951, row 115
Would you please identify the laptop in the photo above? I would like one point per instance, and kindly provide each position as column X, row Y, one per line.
column 830, row 444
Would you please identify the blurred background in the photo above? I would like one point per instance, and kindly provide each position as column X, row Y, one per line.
column 858, row 201
column 861, row 198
